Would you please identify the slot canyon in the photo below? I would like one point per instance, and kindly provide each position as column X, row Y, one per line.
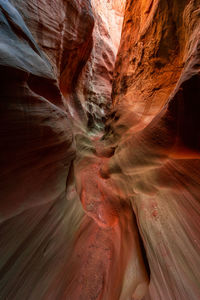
column 100, row 150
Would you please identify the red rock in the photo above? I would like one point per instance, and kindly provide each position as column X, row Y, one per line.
column 95, row 84
column 78, row 209
column 41, row 213
column 155, row 128
column 36, row 136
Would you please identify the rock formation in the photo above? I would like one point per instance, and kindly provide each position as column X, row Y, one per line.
column 110, row 213
column 155, row 129
column 95, row 85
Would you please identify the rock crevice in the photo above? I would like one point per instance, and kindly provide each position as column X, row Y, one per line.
column 99, row 158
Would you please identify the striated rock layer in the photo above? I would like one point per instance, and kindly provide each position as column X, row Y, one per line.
column 38, row 197
column 105, row 217
column 63, row 30
column 95, row 85
column 53, row 245
column 155, row 129
column 36, row 135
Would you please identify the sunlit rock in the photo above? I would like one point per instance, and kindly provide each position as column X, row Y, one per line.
column 95, row 84
column 99, row 194
column 155, row 129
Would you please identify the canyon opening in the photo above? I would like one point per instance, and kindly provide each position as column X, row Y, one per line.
column 100, row 150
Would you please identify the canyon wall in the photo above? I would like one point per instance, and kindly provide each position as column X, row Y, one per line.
column 51, row 245
column 40, row 210
column 63, row 30
column 154, row 127
column 95, row 85
column 79, row 47
column 109, row 215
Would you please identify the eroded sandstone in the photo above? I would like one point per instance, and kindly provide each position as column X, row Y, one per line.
column 113, row 215
column 155, row 129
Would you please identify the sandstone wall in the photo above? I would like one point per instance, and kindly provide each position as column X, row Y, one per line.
column 76, row 210
column 154, row 126
column 37, row 145
column 95, row 84
column 50, row 246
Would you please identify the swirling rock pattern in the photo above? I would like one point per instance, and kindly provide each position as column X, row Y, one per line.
column 95, row 85
column 111, row 216
column 155, row 128
column 36, row 136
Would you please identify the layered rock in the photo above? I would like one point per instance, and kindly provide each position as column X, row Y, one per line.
column 37, row 150
column 52, row 246
column 155, row 129
column 63, row 30
column 72, row 223
column 95, row 84
column 37, row 142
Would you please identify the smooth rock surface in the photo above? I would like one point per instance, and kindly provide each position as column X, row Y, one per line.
column 36, row 136
column 155, row 129
column 37, row 148
column 111, row 216
column 63, row 31
column 95, row 85
column 45, row 227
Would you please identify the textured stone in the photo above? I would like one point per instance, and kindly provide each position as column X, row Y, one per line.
column 95, row 84
column 44, row 228
column 37, row 149
column 107, row 217
column 63, row 30
column 36, row 136
column 155, row 129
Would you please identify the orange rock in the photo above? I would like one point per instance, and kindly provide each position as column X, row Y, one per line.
column 155, row 129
